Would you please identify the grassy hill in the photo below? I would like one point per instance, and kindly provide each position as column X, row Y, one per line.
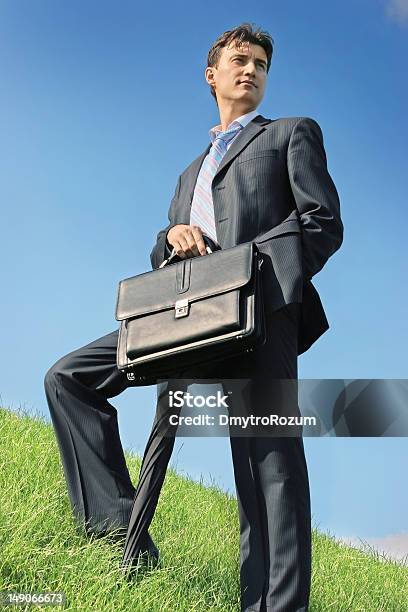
column 196, row 529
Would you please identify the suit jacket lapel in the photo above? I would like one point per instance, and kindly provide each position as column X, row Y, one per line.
column 250, row 131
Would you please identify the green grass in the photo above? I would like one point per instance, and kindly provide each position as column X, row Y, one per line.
column 196, row 529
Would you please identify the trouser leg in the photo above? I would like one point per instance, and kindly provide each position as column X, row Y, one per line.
column 154, row 464
column 252, row 543
column 275, row 532
column 286, row 500
column 273, row 488
column 77, row 389
column 156, row 457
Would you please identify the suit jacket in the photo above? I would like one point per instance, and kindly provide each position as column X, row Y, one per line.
column 272, row 187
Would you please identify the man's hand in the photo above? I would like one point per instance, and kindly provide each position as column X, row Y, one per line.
column 187, row 240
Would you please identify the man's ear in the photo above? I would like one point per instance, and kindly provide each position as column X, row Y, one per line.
column 209, row 75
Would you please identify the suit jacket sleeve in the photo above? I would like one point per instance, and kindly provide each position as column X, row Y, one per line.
column 162, row 249
column 316, row 197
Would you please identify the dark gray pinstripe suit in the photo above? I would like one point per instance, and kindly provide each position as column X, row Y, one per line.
column 273, row 187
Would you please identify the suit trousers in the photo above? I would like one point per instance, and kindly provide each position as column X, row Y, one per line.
column 270, row 472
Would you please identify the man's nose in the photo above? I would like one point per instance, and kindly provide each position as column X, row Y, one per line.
column 250, row 68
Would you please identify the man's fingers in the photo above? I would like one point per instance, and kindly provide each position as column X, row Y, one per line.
column 187, row 250
column 199, row 240
column 188, row 245
column 179, row 249
column 188, row 241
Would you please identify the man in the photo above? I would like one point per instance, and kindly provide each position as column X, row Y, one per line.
column 258, row 180
column 266, row 181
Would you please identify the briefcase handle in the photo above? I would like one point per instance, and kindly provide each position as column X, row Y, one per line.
column 174, row 254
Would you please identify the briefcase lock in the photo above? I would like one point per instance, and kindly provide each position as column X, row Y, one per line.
column 181, row 307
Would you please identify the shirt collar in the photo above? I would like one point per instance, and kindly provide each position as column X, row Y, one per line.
column 243, row 120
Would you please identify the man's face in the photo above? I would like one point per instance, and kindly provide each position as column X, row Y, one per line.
column 235, row 66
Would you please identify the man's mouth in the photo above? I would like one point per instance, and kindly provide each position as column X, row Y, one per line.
column 247, row 83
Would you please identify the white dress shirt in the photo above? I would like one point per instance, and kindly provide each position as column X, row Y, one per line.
column 243, row 120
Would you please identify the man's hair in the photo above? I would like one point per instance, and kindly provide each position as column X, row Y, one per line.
column 240, row 34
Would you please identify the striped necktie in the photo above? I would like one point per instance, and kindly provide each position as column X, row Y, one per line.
column 202, row 208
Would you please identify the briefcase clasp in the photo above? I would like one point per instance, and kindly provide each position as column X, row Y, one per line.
column 181, row 307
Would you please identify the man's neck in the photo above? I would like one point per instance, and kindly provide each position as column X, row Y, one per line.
column 228, row 114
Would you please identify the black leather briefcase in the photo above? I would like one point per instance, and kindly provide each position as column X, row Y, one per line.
column 190, row 312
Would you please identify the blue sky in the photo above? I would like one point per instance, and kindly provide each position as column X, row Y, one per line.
column 104, row 104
